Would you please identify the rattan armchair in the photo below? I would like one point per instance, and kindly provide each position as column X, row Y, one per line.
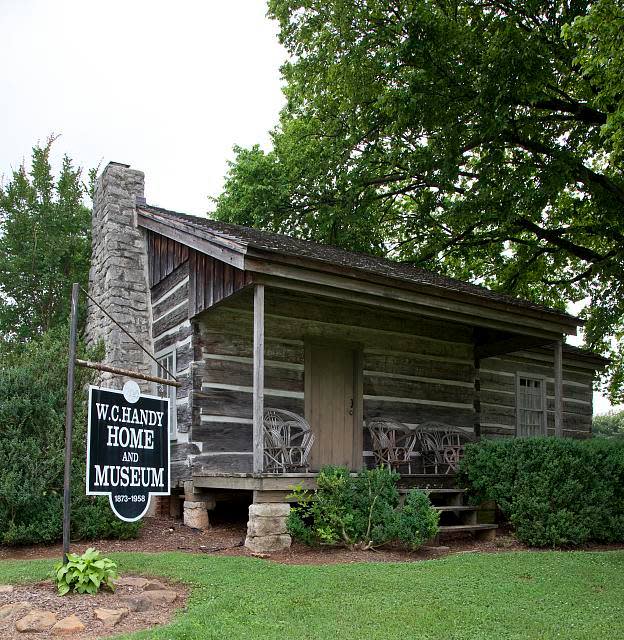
column 288, row 440
column 393, row 443
column 441, row 446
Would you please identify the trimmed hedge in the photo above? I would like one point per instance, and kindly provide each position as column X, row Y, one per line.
column 554, row 491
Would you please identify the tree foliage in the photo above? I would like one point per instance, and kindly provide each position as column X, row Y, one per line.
column 609, row 425
column 478, row 138
column 44, row 245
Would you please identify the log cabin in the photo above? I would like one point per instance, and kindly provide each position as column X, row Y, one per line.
column 249, row 320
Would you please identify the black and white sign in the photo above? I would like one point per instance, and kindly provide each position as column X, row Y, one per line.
column 127, row 449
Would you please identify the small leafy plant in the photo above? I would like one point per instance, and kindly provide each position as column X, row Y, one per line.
column 85, row 574
column 361, row 511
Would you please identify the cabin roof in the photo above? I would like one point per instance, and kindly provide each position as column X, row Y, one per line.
column 277, row 243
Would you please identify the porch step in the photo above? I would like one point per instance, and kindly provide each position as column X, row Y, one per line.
column 464, row 528
column 430, row 490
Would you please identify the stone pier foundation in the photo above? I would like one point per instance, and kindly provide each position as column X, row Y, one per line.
column 196, row 507
column 266, row 528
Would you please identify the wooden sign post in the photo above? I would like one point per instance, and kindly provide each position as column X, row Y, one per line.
column 132, row 503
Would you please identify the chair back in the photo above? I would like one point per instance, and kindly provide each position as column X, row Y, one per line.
column 288, row 440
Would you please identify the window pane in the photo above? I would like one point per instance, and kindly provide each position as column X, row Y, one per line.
column 530, row 407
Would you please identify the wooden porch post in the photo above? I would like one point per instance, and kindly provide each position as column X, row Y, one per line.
column 477, row 398
column 258, row 379
column 558, row 388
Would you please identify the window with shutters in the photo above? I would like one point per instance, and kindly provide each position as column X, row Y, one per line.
column 166, row 366
column 531, row 406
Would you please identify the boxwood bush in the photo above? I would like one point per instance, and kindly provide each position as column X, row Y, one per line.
column 361, row 511
column 554, row 491
column 32, row 436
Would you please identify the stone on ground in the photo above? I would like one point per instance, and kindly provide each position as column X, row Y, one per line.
column 148, row 599
column 36, row 621
column 110, row 617
column 132, row 581
column 154, row 585
column 68, row 626
column 6, row 588
column 8, row 610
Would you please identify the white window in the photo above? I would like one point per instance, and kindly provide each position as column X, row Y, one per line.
column 167, row 363
column 531, row 406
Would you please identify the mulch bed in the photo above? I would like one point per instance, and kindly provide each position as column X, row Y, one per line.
column 43, row 596
column 227, row 538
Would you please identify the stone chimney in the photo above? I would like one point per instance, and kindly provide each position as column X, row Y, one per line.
column 118, row 279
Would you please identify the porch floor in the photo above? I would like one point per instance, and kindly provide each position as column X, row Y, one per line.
column 285, row 481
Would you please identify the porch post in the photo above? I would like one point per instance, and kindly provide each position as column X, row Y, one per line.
column 477, row 398
column 258, row 379
column 558, row 388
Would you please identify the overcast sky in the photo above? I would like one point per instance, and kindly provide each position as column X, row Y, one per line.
column 167, row 87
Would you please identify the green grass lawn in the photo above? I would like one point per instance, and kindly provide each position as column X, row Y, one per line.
column 473, row 596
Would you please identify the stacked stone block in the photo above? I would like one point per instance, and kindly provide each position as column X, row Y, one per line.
column 266, row 527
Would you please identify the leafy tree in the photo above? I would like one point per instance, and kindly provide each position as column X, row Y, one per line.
column 609, row 425
column 478, row 138
column 44, row 245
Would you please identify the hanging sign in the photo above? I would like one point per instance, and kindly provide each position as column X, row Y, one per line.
column 127, row 448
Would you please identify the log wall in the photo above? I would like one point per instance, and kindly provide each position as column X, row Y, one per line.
column 414, row 369
column 498, row 392
column 183, row 282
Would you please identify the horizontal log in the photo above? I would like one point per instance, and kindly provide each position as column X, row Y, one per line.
column 241, row 373
column 224, row 436
column 233, row 463
column 171, row 320
column 179, row 296
column 219, row 343
column 396, row 387
column 514, row 366
column 162, row 342
column 417, row 414
column 498, row 415
column 312, row 308
column 493, row 397
column 181, row 450
column 418, row 366
column 168, row 283
column 222, row 402
column 279, row 327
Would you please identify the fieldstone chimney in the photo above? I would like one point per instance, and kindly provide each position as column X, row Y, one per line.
column 118, row 279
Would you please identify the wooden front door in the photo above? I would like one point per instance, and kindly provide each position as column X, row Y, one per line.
column 332, row 406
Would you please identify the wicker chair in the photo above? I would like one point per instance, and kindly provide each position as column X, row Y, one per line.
column 393, row 443
column 441, row 446
column 287, row 441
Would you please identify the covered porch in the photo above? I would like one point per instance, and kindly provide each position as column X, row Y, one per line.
column 340, row 358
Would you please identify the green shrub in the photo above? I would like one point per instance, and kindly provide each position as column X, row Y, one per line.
column 32, row 437
column 360, row 511
column 86, row 573
column 554, row 491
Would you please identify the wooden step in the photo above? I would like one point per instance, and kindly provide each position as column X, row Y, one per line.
column 461, row 528
column 450, row 507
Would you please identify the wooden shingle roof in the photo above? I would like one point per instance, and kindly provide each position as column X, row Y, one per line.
column 276, row 243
